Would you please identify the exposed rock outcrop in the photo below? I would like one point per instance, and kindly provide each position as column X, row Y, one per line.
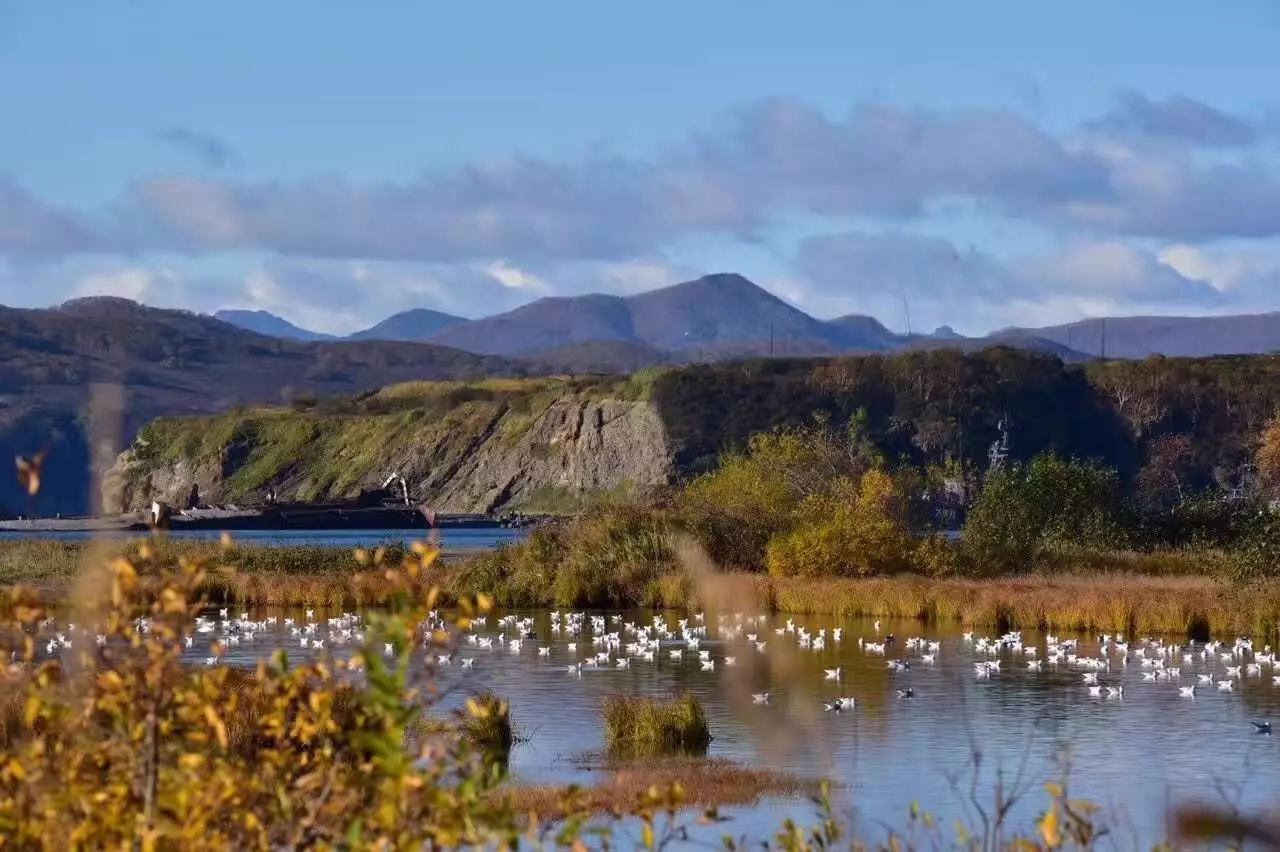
column 481, row 457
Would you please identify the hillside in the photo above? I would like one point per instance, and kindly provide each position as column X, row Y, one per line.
column 536, row 443
column 857, row 331
column 110, row 365
column 595, row 356
column 717, row 309
column 713, row 318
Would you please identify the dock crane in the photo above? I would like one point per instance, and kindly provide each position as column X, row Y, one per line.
column 404, row 486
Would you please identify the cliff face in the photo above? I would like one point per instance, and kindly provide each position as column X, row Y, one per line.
column 574, row 448
column 541, row 447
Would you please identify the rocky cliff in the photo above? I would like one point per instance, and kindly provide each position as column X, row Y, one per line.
column 532, row 444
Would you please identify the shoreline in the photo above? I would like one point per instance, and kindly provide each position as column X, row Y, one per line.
column 256, row 519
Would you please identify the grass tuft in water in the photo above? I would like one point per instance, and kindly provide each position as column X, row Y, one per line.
column 636, row 726
column 486, row 723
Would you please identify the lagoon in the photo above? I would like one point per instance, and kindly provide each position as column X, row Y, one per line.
column 1138, row 756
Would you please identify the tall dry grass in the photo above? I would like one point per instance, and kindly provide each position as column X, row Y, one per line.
column 619, row 558
column 1191, row 606
column 640, row 726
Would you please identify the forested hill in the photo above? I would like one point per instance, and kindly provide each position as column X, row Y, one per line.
column 1198, row 417
column 1169, row 426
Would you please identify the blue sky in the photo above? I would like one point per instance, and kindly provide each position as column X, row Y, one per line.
column 994, row 163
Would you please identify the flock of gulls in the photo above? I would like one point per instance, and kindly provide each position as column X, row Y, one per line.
column 596, row 642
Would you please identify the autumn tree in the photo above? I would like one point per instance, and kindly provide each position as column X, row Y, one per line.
column 855, row 529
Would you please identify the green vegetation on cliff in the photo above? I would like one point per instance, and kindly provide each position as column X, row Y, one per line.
column 434, row 433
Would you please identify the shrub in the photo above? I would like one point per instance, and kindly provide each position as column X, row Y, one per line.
column 145, row 751
column 735, row 510
column 1267, row 458
column 1050, row 500
column 935, row 556
column 1203, row 520
column 1257, row 555
column 520, row 574
column 612, row 556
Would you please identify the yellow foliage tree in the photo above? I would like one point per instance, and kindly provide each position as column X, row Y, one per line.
column 736, row 509
column 855, row 529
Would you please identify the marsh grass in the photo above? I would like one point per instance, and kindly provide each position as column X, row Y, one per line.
column 639, row 726
column 484, row 722
column 32, row 560
column 625, row 557
column 259, row 575
column 1178, row 605
column 1168, row 562
column 704, row 782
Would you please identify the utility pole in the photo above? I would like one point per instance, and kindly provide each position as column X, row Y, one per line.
column 770, row 338
column 1104, row 338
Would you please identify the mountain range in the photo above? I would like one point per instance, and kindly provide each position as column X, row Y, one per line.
column 1140, row 336
column 723, row 316
column 714, row 317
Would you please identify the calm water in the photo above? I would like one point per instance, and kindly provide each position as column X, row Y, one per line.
column 454, row 538
column 1135, row 754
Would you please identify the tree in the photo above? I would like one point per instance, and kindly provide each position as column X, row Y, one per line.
column 856, row 529
column 1051, row 500
column 1162, row 480
column 737, row 508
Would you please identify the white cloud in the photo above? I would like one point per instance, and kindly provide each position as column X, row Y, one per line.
column 338, row 254
column 515, row 278
column 1223, row 271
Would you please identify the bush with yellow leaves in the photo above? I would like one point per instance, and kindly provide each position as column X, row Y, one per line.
column 126, row 746
column 855, row 529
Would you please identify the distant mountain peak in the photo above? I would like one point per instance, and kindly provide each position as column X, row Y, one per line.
column 265, row 322
column 413, row 325
column 945, row 332
column 859, row 331
column 722, row 283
